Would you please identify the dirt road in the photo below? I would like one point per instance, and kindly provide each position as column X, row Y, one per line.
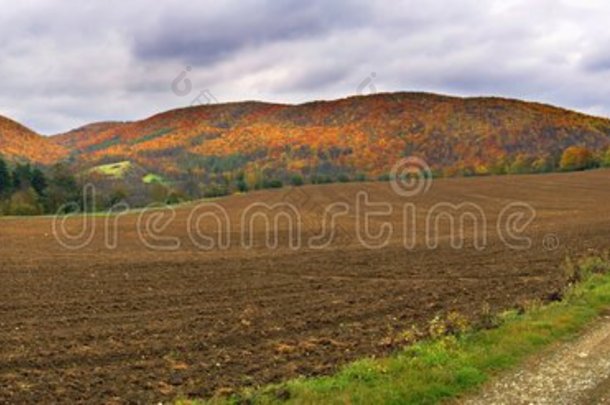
column 576, row 372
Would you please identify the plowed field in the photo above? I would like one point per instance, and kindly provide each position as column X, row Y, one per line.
column 152, row 318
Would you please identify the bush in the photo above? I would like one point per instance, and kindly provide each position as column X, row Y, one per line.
column 275, row 183
column 343, row 178
column 215, row 190
column 605, row 159
column 242, row 186
column 24, row 209
column 118, row 195
column 321, row 180
column 542, row 165
column 25, row 202
column 360, row 177
column 297, row 180
column 173, row 198
column 576, row 158
column 521, row 165
column 157, row 192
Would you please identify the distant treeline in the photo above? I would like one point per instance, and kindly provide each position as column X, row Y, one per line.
column 29, row 190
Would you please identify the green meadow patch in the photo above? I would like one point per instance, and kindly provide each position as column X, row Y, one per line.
column 116, row 170
column 153, row 178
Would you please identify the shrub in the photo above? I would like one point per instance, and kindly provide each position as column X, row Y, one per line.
column 454, row 324
column 576, row 158
column 24, row 209
column 360, row 177
column 275, row 183
column 296, row 180
column 215, row 190
column 605, row 159
column 321, row 180
column 521, row 165
column 25, row 202
column 542, row 165
column 343, row 178
column 118, row 195
column 242, row 186
column 174, row 198
column 157, row 192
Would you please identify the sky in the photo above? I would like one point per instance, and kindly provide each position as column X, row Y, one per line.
column 66, row 63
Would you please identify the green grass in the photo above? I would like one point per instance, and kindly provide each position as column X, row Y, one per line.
column 116, row 170
column 435, row 370
column 120, row 169
column 153, row 178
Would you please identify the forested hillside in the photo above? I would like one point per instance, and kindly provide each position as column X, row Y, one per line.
column 359, row 135
column 20, row 143
column 218, row 149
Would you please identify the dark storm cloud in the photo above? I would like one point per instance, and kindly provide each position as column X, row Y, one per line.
column 197, row 35
column 65, row 64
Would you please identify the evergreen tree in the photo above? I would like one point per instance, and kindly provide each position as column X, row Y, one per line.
column 63, row 188
column 22, row 176
column 39, row 182
column 5, row 180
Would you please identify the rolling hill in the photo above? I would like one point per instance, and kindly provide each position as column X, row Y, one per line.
column 69, row 139
column 18, row 143
column 364, row 134
column 357, row 135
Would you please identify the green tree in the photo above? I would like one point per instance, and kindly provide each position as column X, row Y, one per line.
column 158, row 192
column 215, row 190
column 6, row 186
column 272, row 183
column 22, row 176
column 360, row 177
column 241, row 185
column 118, row 195
column 297, row 180
column 343, row 178
column 25, row 202
column 542, row 164
column 39, row 182
column 63, row 189
column 500, row 165
column 522, row 164
column 605, row 159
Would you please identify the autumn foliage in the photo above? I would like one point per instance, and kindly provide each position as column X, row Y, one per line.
column 576, row 158
column 348, row 138
column 20, row 143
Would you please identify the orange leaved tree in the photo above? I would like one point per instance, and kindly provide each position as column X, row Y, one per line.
column 577, row 158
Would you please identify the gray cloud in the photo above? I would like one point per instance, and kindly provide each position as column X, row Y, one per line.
column 200, row 36
column 65, row 64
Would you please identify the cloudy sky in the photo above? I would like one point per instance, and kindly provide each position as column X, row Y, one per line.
column 65, row 63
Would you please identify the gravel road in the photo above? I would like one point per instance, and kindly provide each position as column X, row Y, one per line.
column 576, row 372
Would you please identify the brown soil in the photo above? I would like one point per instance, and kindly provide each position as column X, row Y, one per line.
column 135, row 325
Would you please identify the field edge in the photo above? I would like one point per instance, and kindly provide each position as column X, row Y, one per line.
column 452, row 365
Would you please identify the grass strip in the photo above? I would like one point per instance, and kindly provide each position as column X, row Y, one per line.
column 438, row 369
